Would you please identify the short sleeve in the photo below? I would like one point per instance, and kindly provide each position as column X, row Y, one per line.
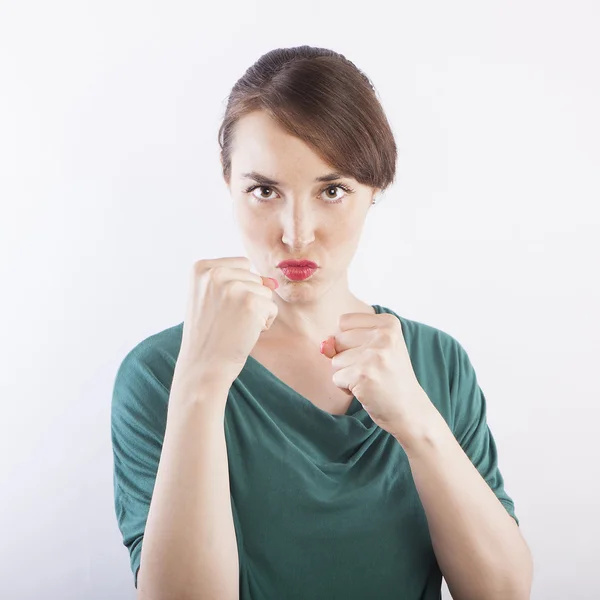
column 470, row 426
column 138, row 422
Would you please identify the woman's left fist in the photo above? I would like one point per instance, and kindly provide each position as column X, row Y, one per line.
column 370, row 359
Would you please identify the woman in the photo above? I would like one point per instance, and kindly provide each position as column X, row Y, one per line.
column 315, row 446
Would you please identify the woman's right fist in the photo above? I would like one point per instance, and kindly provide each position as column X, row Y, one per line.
column 228, row 308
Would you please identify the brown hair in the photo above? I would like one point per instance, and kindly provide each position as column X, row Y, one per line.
column 322, row 98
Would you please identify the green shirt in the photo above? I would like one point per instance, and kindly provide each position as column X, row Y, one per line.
column 324, row 506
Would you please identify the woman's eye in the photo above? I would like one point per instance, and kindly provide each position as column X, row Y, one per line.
column 333, row 188
column 260, row 189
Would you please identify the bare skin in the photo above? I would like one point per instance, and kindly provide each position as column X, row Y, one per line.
column 299, row 218
column 292, row 362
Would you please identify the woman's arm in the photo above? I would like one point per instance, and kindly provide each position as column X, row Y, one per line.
column 478, row 545
column 190, row 549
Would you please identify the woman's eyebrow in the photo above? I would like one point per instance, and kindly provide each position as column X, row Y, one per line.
column 263, row 180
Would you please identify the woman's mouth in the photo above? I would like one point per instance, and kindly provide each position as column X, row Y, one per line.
column 298, row 270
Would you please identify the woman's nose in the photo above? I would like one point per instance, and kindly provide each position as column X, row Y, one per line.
column 298, row 226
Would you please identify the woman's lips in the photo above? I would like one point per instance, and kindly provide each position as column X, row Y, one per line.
column 298, row 273
column 298, row 270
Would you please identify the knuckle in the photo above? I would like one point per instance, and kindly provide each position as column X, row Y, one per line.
column 217, row 273
column 199, row 267
column 233, row 287
column 364, row 376
column 388, row 335
column 380, row 357
column 250, row 302
column 377, row 357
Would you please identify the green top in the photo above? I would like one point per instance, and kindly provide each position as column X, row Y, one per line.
column 324, row 506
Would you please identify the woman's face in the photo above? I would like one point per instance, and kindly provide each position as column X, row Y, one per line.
column 290, row 214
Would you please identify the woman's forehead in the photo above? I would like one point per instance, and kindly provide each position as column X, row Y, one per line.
column 263, row 150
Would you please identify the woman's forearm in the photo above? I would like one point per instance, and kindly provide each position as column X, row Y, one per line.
column 478, row 545
column 189, row 549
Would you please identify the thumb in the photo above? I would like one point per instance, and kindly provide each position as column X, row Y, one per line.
column 328, row 347
column 270, row 282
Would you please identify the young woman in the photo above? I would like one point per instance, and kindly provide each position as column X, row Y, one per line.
column 289, row 440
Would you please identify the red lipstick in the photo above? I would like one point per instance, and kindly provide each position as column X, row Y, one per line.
column 298, row 270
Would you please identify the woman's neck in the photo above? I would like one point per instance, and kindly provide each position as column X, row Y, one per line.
column 311, row 322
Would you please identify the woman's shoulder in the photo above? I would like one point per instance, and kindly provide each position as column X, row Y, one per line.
column 422, row 336
column 145, row 373
column 158, row 350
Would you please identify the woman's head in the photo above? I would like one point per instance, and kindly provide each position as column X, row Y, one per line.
column 297, row 115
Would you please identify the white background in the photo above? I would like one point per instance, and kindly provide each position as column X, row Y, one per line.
column 110, row 188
